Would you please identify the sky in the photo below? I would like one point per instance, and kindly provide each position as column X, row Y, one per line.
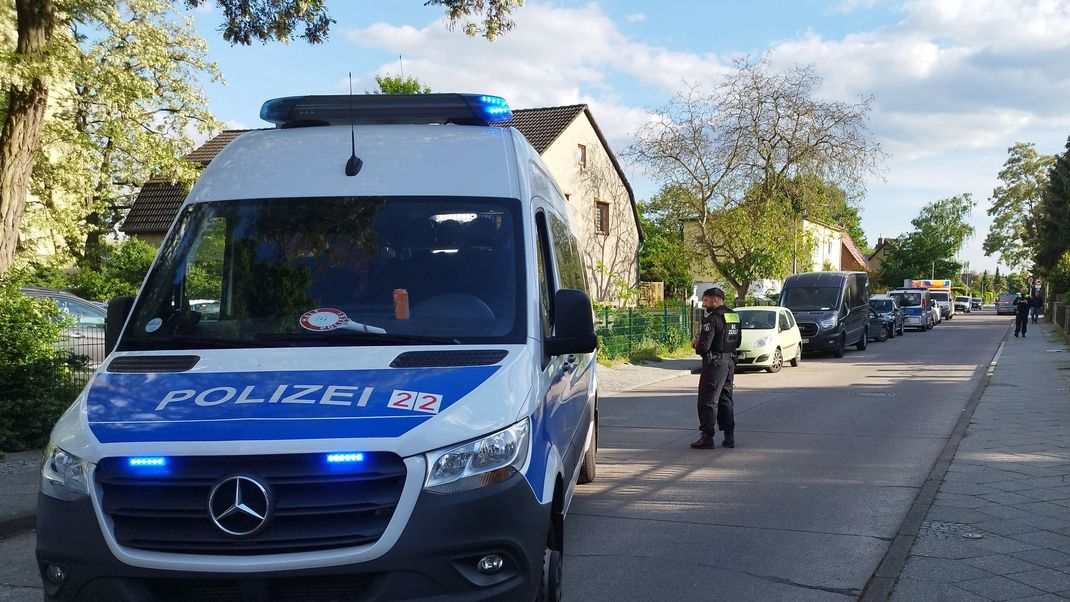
column 954, row 83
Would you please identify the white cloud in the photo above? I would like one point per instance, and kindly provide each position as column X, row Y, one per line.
column 635, row 17
column 554, row 56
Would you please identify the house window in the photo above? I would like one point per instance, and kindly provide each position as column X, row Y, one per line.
column 581, row 156
column 601, row 218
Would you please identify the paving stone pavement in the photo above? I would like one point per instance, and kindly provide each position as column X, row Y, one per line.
column 999, row 528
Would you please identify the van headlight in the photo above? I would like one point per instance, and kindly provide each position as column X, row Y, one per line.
column 762, row 341
column 483, row 462
column 828, row 323
column 64, row 476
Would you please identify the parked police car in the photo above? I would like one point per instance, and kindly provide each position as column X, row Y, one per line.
column 393, row 396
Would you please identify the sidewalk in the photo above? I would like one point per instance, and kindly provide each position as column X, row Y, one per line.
column 20, row 472
column 999, row 526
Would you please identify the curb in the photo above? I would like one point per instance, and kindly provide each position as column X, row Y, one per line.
column 680, row 373
column 882, row 582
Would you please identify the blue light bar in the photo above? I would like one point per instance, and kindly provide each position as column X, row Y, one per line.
column 368, row 109
column 147, row 461
column 345, row 458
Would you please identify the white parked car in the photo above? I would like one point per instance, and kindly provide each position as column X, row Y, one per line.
column 770, row 336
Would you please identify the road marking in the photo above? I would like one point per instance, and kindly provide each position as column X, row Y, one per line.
column 999, row 352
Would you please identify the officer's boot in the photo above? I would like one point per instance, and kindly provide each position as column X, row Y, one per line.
column 729, row 439
column 705, row 441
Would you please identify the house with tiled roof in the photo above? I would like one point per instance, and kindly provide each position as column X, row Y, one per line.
column 600, row 200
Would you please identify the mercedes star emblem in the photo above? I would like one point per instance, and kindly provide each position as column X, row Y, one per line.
column 239, row 505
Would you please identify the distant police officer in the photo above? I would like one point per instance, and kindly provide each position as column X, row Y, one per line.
column 717, row 344
column 1021, row 313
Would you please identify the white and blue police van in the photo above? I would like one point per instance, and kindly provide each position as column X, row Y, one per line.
column 360, row 368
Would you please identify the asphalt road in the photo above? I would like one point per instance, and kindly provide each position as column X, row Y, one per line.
column 829, row 457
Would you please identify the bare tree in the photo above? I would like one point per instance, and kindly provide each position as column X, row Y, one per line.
column 744, row 143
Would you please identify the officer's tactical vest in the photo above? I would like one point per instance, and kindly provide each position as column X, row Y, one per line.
column 731, row 336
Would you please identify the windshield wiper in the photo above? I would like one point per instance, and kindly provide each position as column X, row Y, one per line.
column 358, row 336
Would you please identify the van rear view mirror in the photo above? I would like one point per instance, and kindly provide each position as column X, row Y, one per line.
column 118, row 310
column 573, row 324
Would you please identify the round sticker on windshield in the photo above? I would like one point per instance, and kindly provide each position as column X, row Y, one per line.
column 323, row 318
column 153, row 325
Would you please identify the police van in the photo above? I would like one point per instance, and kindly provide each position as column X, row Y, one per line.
column 392, row 395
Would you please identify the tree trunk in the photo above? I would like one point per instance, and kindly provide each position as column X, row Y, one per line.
column 21, row 135
column 741, row 293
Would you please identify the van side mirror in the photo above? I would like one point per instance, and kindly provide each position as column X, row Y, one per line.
column 118, row 311
column 573, row 324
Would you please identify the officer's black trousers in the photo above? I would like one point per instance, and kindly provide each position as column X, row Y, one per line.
column 715, row 386
column 1021, row 322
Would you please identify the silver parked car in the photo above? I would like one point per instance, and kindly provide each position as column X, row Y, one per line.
column 86, row 336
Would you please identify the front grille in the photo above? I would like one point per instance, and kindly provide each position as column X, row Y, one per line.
column 314, row 505
column 807, row 329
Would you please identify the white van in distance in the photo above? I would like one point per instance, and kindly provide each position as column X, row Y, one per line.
column 360, row 368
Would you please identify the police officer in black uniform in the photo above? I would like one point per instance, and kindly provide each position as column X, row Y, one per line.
column 1021, row 313
column 717, row 344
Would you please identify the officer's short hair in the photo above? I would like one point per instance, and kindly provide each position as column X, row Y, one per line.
column 714, row 292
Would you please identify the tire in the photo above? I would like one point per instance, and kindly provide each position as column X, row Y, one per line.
column 552, row 563
column 864, row 341
column 891, row 332
column 778, row 362
column 798, row 356
column 841, row 348
column 883, row 336
column 589, row 468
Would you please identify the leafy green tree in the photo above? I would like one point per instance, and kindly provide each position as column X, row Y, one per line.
column 395, row 84
column 122, row 270
column 127, row 119
column 940, row 230
column 1053, row 219
column 997, row 282
column 664, row 257
column 1014, row 282
column 263, row 21
column 1059, row 275
column 1014, row 205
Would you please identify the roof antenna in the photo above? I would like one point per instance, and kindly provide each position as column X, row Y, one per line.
column 354, row 163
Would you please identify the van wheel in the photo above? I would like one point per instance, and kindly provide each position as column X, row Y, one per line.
column 864, row 342
column 798, row 356
column 550, row 588
column 778, row 362
column 589, row 468
column 841, row 348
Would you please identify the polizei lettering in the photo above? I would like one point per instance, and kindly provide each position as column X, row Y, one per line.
column 328, row 395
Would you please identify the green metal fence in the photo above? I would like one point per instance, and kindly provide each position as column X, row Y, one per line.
column 623, row 331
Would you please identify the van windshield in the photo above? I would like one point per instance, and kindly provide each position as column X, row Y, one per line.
column 335, row 271
column 819, row 298
column 757, row 319
column 908, row 299
column 881, row 305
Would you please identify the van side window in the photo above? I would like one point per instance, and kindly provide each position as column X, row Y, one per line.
column 542, row 257
column 566, row 251
column 848, row 293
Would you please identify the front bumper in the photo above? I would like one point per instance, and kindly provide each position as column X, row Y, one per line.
column 755, row 357
column 822, row 341
column 435, row 557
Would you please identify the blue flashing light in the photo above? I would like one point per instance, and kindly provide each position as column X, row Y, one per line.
column 154, row 462
column 346, row 458
column 368, row 109
column 493, row 109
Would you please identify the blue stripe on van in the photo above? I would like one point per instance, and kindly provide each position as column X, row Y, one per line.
column 247, row 406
